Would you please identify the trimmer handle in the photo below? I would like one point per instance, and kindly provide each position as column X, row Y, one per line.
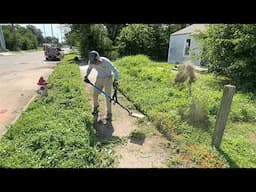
column 86, row 80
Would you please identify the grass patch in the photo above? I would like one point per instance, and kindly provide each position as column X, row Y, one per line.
column 137, row 135
column 188, row 114
column 55, row 131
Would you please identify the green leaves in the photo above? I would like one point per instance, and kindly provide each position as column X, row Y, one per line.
column 25, row 38
column 55, row 131
column 187, row 119
column 230, row 51
column 90, row 37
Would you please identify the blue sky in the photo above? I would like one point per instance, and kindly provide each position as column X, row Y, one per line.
column 46, row 30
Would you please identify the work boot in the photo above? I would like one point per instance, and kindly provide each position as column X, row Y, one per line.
column 95, row 110
column 109, row 116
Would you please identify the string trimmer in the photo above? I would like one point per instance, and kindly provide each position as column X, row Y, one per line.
column 114, row 99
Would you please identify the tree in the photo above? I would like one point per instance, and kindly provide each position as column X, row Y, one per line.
column 124, row 39
column 114, row 30
column 148, row 39
column 91, row 37
column 18, row 37
column 38, row 33
column 161, row 36
column 160, row 39
column 14, row 38
column 52, row 40
column 230, row 50
column 171, row 28
column 135, row 39
column 72, row 37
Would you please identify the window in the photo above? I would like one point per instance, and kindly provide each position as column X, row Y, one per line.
column 187, row 47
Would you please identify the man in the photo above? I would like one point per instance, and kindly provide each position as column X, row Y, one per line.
column 104, row 67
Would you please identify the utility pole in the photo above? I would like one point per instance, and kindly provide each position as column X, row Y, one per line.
column 60, row 33
column 14, row 37
column 44, row 30
column 2, row 41
column 52, row 33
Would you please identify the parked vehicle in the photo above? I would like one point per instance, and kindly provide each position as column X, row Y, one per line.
column 53, row 52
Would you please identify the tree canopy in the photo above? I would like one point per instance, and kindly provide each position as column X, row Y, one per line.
column 229, row 50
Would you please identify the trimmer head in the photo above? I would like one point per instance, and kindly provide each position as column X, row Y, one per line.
column 137, row 115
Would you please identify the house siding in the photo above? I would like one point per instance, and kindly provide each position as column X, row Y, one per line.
column 176, row 49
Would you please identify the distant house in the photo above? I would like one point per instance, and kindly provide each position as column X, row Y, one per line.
column 182, row 43
column 2, row 41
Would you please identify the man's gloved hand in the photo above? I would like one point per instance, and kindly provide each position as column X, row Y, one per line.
column 115, row 84
column 86, row 80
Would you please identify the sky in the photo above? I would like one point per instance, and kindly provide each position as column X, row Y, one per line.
column 46, row 30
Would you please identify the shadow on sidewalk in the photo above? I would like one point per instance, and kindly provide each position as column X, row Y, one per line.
column 104, row 129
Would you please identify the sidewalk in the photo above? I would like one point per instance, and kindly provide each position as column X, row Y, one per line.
column 6, row 53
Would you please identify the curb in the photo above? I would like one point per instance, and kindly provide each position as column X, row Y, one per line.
column 18, row 116
column 9, row 54
column 24, row 109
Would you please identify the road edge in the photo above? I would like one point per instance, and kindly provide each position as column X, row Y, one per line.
column 19, row 114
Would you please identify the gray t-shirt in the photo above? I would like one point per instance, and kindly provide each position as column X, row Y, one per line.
column 104, row 68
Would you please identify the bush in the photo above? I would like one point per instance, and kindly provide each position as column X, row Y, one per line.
column 229, row 50
column 91, row 37
column 135, row 39
column 197, row 114
column 185, row 71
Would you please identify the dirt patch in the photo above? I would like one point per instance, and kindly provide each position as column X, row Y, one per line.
column 150, row 151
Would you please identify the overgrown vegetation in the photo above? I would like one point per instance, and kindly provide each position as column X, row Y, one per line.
column 114, row 40
column 148, row 39
column 229, row 49
column 90, row 37
column 55, row 131
column 190, row 119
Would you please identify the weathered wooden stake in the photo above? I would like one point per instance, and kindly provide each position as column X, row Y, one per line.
column 222, row 117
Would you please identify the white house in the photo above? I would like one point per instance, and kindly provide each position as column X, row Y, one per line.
column 182, row 43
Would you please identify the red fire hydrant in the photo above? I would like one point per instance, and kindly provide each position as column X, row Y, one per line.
column 42, row 90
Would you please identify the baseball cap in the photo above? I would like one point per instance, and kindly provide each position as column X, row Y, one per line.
column 93, row 57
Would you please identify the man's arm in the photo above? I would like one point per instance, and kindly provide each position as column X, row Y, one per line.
column 114, row 69
column 116, row 75
column 89, row 69
column 116, row 72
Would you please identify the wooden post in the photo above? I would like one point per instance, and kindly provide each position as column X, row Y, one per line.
column 222, row 117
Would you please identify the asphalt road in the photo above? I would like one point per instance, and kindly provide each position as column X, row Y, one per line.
column 19, row 75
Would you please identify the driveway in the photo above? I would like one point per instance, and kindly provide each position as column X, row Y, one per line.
column 19, row 75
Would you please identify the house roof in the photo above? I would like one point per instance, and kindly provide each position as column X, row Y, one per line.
column 191, row 29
